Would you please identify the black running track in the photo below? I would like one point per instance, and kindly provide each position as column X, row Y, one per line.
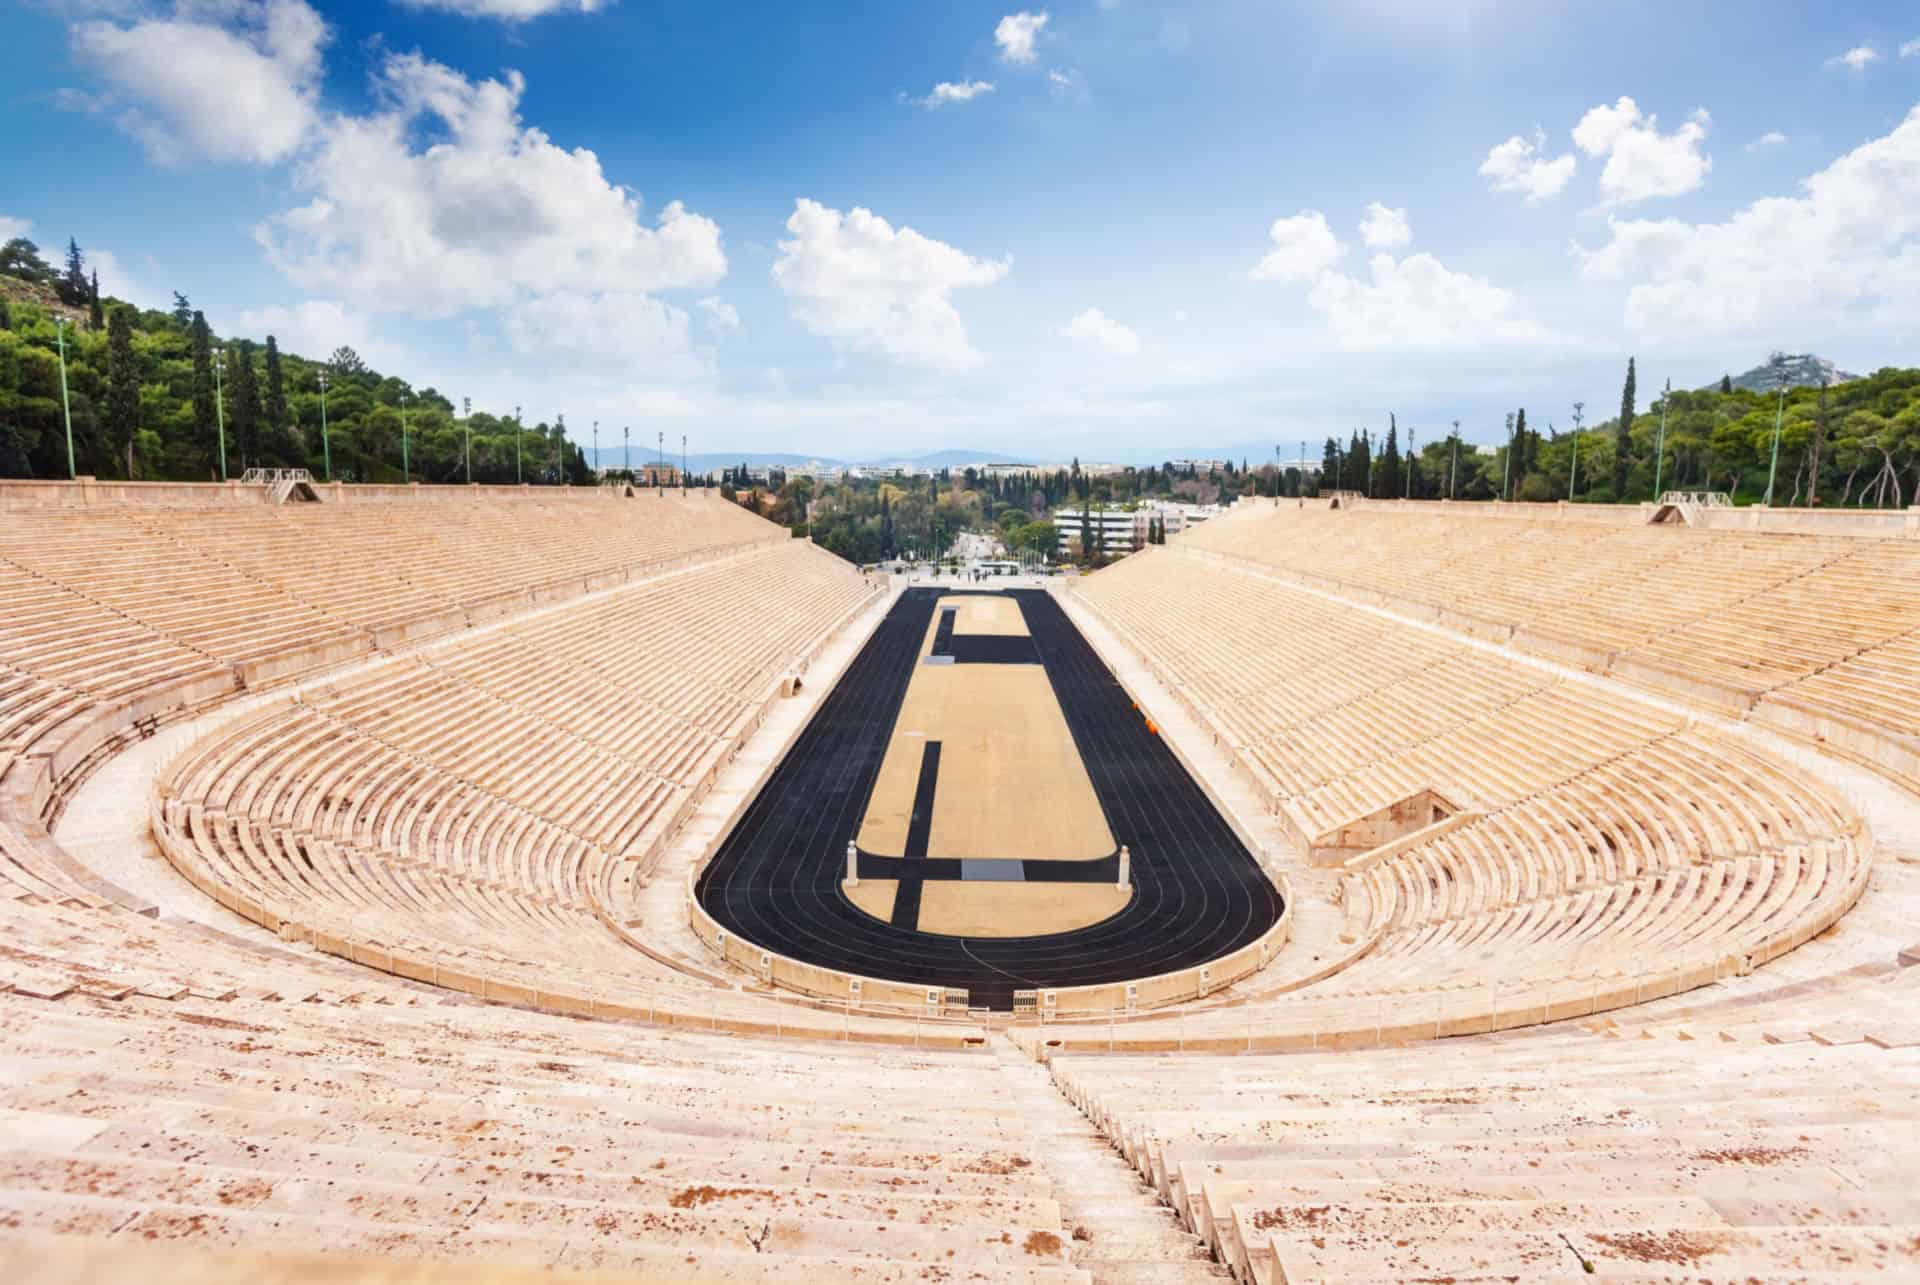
column 1198, row 893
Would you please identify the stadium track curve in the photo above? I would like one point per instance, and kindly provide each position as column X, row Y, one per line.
column 775, row 880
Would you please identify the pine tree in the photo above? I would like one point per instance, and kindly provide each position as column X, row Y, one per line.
column 1623, row 438
column 205, row 422
column 123, row 385
column 93, row 308
column 1726, row 385
column 6, row 316
column 1388, row 471
column 73, row 282
column 182, row 311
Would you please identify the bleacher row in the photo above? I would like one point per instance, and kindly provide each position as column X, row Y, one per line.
column 1602, row 838
column 455, row 816
column 1819, row 634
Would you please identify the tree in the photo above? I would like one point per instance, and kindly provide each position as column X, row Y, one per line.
column 20, row 258
column 123, row 385
column 1387, row 471
column 1726, row 385
column 94, row 319
column 1623, row 438
column 243, row 390
column 6, row 314
column 346, row 363
column 73, row 282
column 182, row 311
column 276, row 406
column 205, row 421
column 1819, row 441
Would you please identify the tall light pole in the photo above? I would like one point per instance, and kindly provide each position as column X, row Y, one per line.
column 683, row 465
column 326, row 443
column 516, row 448
column 1660, row 445
column 1453, row 471
column 220, row 409
column 626, row 452
column 1779, row 415
column 596, row 449
column 1573, row 478
column 660, row 455
column 1506, row 486
column 559, row 454
column 66, row 410
column 406, row 461
column 466, row 420
column 1413, row 451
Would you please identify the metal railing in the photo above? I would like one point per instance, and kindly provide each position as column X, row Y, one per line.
column 1698, row 499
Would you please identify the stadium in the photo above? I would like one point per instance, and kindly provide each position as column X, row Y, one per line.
column 483, row 882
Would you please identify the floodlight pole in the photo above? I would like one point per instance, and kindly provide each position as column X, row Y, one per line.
column 1660, row 446
column 626, row 452
column 326, row 443
column 406, row 462
column 683, row 469
column 518, row 479
column 596, row 449
column 466, row 420
column 1453, row 470
column 1573, row 478
column 66, row 410
column 1413, row 447
column 220, row 411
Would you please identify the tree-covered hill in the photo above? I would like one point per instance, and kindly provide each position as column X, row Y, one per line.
column 142, row 389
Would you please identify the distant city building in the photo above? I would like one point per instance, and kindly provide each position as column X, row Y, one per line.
column 1118, row 530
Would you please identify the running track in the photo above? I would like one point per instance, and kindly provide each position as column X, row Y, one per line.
column 775, row 881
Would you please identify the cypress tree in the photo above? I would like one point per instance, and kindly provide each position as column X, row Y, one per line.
column 182, row 311
column 205, row 425
column 244, row 391
column 93, row 310
column 276, row 407
column 1726, row 385
column 6, row 315
column 123, row 385
column 73, row 282
column 1388, row 483
column 1623, row 438
column 1529, row 447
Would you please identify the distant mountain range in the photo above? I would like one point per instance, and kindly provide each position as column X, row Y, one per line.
column 1803, row 370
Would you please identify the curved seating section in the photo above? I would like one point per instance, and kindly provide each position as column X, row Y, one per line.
column 1606, row 838
column 170, row 1086
column 1725, row 1149
column 1812, row 632
column 454, row 815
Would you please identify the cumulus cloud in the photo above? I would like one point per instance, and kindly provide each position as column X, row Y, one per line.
column 491, row 209
column 1846, row 250
column 1521, row 165
column 1419, row 302
column 12, row 227
column 1092, row 326
column 1772, row 138
column 509, row 10
column 722, row 317
column 1911, row 49
column 235, row 80
column 1303, row 247
column 1385, row 228
column 312, row 329
column 949, row 92
column 1016, row 33
column 854, row 278
column 115, row 281
column 1643, row 163
column 1858, row 58
column 625, row 330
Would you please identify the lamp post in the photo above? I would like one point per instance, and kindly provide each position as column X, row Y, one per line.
column 406, row 461
column 626, row 452
column 466, row 421
column 516, row 448
column 1453, row 470
column 220, row 409
column 1413, row 451
column 1779, row 415
column 66, row 410
column 1573, row 478
column 683, row 465
column 1660, row 445
column 659, row 455
column 326, row 443
column 596, row 449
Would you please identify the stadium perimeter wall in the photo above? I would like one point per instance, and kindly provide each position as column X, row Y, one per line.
column 87, row 492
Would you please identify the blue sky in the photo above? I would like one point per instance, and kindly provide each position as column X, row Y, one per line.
column 1119, row 226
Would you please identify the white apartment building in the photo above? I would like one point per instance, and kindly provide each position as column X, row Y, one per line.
column 1122, row 530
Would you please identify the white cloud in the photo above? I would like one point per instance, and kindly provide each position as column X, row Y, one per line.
column 1848, row 249
column 234, row 80
column 1063, row 81
column 312, row 329
column 1015, row 34
column 948, row 92
column 1418, row 302
column 1772, row 138
column 1858, row 58
column 491, row 209
column 1521, row 165
column 115, row 280
column 1303, row 247
column 11, row 227
column 1643, row 163
column 722, row 317
column 1385, row 228
column 854, row 278
column 509, row 10
column 1911, row 49
column 1095, row 327
column 625, row 330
